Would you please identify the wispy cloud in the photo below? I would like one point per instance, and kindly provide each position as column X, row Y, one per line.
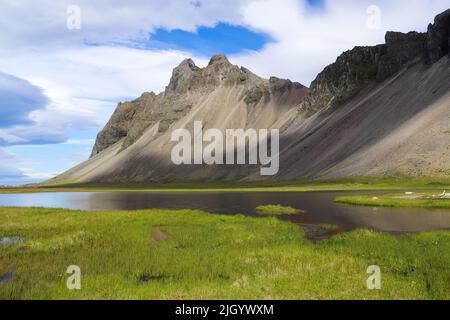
column 8, row 171
column 86, row 142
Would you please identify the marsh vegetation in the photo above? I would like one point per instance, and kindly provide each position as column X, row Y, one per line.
column 161, row 254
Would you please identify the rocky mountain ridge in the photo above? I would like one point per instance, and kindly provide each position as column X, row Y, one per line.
column 187, row 86
column 380, row 110
column 360, row 67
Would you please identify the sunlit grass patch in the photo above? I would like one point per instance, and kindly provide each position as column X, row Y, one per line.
column 276, row 210
column 397, row 200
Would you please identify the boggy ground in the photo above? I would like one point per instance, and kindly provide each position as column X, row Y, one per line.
column 157, row 254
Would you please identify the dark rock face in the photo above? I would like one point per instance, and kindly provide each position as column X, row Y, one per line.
column 116, row 128
column 438, row 37
column 401, row 49
column 282, row 85
column 362, row 67
column 341, row 80
column 254, row 96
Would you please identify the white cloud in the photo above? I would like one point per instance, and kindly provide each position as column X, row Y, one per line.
column 5, row 155
column 85, row 142
column 10, row 174
column 307, row 41
column 42, row 23
column 8, row 171
column 38, row 133
column 41, row 175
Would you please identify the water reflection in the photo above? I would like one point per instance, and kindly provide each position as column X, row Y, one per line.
column 4, row 279
column 319, row 206
column 11, row 240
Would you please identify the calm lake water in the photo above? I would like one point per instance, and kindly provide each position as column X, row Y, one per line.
column 319, row 206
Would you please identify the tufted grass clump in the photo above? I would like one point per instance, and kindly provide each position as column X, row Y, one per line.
column 276, row 209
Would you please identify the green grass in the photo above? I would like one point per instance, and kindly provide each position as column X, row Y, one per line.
column 205, row 256
column 389, row 201
column 276, row 209
column 362, row 183
column 328, row 227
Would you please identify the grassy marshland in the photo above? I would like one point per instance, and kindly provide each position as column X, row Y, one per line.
column 397, row 200
column 276, row 209
column 157, row 254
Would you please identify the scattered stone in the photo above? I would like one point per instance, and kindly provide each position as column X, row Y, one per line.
column 158, row 235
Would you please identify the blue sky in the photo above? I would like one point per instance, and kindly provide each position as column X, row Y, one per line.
column 207, row 41
column 59, row 86
column 316, row 3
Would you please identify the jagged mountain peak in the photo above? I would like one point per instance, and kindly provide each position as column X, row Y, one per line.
column 188, row 86
column 219, row 59
column 219, row 71
column 182, row 73
column 378, row 110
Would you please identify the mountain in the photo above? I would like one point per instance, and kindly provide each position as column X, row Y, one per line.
column 377, row 111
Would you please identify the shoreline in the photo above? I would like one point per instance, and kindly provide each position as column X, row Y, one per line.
column 349, row 184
